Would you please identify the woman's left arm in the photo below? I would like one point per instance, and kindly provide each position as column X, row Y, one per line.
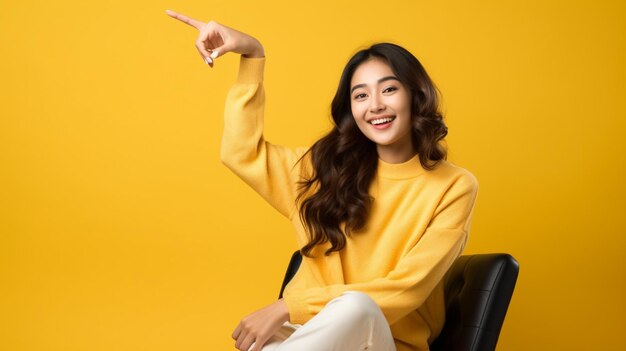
column 409, row 284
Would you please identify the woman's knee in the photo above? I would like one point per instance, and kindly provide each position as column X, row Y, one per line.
column 357, row 306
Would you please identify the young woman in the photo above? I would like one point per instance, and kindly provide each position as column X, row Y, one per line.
column 379, row 214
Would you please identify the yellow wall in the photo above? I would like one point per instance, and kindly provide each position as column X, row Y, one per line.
column 121, row 230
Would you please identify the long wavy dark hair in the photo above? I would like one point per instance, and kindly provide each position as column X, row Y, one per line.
column 344, row 160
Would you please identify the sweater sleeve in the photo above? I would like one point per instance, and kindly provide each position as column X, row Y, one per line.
column 410, row 283
column 269, row 169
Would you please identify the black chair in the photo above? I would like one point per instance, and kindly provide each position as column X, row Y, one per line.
column 478, row 289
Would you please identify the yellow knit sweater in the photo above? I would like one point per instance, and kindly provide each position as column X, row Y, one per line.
column 418, row 224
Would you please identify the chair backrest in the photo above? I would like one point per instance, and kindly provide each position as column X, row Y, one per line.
column 478, row 289
column 294, row 264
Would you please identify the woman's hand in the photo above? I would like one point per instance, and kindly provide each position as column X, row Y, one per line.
column 215, row 40
column 259, row 327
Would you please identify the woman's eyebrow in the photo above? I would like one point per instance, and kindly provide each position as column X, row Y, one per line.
column 381, row 80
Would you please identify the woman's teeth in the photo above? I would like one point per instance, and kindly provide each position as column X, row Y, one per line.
column 382, row 120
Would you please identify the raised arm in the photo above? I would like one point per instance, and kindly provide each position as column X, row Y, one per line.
column 269, row 169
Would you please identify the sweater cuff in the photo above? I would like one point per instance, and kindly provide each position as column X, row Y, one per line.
column 251, row 69
column 297, row 309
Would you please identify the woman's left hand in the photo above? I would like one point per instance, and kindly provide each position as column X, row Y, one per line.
column 259, row 327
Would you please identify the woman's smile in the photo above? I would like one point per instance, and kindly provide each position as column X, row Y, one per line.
column 382, row 122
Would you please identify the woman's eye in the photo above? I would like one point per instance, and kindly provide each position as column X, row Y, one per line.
column 359, row 96
column 390, row 89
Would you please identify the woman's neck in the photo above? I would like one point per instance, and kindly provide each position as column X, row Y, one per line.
column 394, row 154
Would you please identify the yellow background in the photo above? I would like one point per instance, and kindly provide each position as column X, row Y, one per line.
column 121, row 230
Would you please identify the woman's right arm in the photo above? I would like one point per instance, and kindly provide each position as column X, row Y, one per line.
column 269, row 169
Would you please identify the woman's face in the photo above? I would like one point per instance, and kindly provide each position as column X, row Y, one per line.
column 381, row 106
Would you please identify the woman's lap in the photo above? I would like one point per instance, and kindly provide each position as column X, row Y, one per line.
column 351, row 321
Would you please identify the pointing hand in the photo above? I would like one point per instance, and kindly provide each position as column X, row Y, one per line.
column 215, row 40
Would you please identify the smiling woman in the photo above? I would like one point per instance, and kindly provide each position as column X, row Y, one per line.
column 378, row 212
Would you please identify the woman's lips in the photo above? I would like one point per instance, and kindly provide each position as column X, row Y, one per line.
column 382, row 122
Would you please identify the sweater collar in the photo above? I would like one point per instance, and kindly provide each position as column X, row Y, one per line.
column 409, row 169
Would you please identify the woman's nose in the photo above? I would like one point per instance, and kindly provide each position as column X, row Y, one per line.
column 376, row 104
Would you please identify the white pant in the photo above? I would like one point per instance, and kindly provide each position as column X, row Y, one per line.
column 350, row 322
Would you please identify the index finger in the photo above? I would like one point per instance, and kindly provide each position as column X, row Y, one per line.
column 190, row 21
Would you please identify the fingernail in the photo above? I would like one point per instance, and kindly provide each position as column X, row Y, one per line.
column 214, row 54
column 208, row 60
